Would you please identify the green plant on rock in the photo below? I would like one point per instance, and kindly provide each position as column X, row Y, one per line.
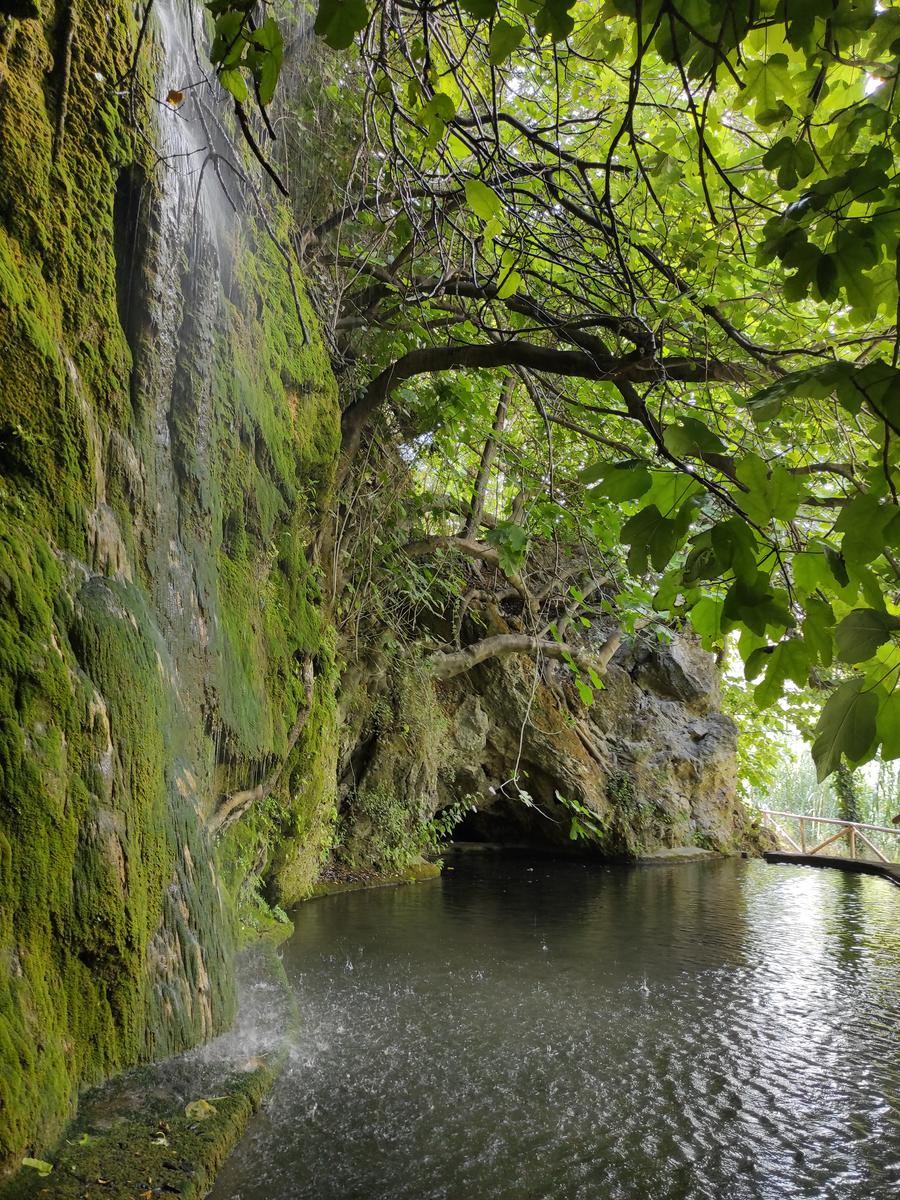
column 585, row 824
column 632, row 814
column 381, row 832
column 436, row 832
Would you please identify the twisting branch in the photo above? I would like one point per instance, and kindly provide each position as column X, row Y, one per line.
column 553, row 361
column 477, row 550
column 446, row 664
column 241, row 113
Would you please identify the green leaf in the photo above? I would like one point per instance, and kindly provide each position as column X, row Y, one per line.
column 860, row 633
column 768, row 82
column 888, row 725
column 509, row 280
column 670, row 489
column 265, row 58
column 434, row 116
column 770, row 495
column 505, row 37
column 735, row 547
column 483, row 9
column 233, row 81
column 846, row 728
column 837, row 565
column 811, row 569
column 691, row 437
column 788, row 661
column 701, row 563
column 817, row 630
column 229, row 41
column 863, row 522
column 652, row 537
column 706, row 618
column 38, row 1164
column 339, row 21
column 793, row 161
column 554, row 19
column 483, row 200
column 758, row 606
column 511, row 543
column 621, row 481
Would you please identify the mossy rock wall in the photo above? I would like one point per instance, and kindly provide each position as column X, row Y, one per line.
column 649, row 767
column 167, row 440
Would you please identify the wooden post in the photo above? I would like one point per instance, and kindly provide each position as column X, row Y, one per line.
column 852, row 832
column 802, row 835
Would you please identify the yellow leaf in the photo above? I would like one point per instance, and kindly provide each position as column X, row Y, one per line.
column 199, row 1110
column 175, row 97
column 38, row 1164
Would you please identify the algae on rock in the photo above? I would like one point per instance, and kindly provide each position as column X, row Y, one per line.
column 167, row 437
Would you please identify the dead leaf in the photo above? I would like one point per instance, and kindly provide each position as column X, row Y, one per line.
column 175, row 97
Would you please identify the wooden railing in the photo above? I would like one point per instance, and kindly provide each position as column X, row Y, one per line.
column 858, row 842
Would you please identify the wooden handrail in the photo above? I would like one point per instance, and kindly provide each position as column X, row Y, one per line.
column 852, row 830
column 775, row 812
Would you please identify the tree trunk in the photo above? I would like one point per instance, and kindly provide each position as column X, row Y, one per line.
column 487, row 458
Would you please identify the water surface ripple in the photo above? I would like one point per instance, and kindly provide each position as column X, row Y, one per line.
column 530, row 1029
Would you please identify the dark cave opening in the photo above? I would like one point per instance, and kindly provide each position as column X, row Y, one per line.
column 510, row 821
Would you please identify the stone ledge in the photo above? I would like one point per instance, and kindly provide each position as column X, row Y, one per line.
column 677, row 854
column 164, row 1130
column 416, row 872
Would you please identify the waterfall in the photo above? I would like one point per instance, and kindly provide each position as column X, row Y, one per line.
column 177, row 352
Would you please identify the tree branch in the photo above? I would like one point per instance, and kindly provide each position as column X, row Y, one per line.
column 577, row 363
column 448, row 663
column 476, row 550
column 473, row 520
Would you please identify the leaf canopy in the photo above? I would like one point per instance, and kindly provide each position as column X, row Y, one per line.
column 675, row 224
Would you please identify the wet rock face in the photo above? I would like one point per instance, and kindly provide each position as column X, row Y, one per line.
column 165, row 437
column 651, row 765
column 652, row 762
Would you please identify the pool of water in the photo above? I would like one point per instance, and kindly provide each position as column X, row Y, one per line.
column 525, row 1028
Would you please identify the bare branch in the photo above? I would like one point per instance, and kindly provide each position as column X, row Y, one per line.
column 446, row 664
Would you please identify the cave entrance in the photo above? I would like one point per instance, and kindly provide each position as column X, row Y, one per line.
column 509, row 821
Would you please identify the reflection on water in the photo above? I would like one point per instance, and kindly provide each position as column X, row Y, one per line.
column 527, row 1029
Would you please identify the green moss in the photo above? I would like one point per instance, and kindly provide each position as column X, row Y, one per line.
column 136, row 1135
column 83, row 804
column 136, row 1159
column 630, row 818
column 57, row 281
column 385, row 823
column 115, row 925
